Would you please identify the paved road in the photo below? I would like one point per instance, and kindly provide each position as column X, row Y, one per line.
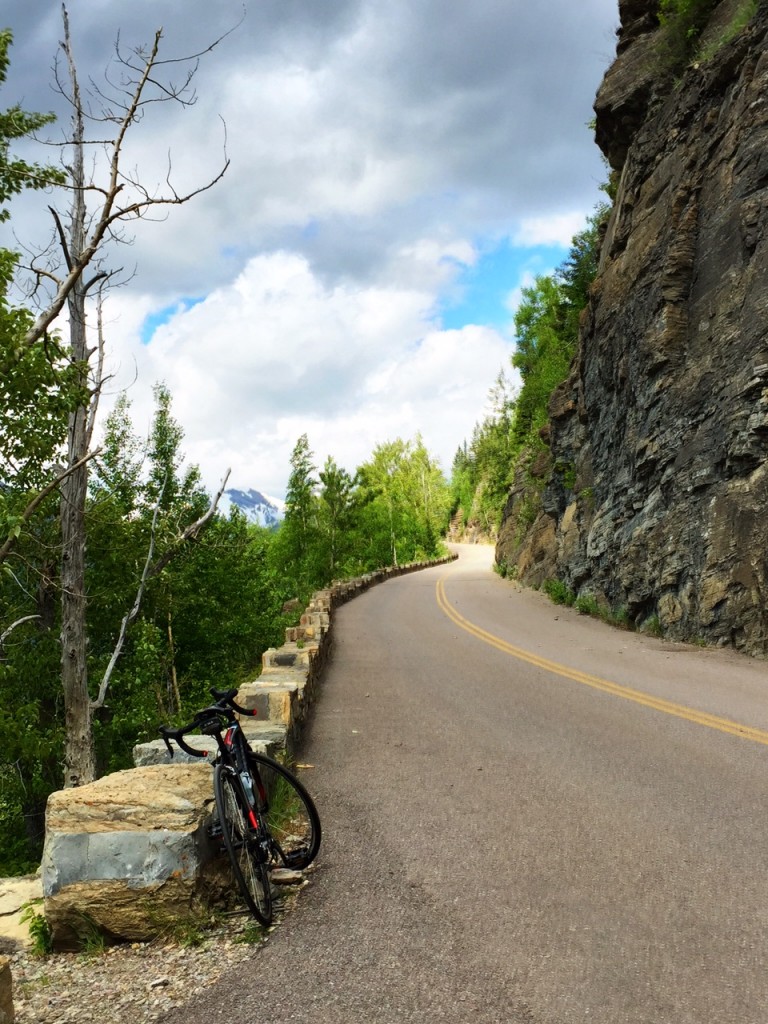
column 529, row 817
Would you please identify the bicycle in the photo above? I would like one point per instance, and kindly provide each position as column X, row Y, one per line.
column 265, row 816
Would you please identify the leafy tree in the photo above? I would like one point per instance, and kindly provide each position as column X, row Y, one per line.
column 16, row 175
column 547, row 331
column 337, row 506
column 297, row 547
column 36, row 393
column 405, row 504
column 543, row 352
column 206, row 616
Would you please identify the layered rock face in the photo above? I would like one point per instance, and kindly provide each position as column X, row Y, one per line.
column 658, row 497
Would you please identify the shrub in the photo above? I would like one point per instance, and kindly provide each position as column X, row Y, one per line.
column 558, row 592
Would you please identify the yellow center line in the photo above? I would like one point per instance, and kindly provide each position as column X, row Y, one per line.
column 746, row 732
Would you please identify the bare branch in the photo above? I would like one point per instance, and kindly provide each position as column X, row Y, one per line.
column 190, row 533
column 29, row 511
column 7, row 632
column 78, row 257
column 151, row 570
column 62, row 237
column 96, row 393
column 129, row 617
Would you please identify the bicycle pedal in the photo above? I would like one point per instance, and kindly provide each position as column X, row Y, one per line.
column 215, row 830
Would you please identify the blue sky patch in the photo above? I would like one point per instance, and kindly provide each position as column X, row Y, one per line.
column 162, row 316
column 481, row 292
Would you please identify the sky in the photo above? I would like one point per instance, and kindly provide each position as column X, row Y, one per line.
column 398, row 172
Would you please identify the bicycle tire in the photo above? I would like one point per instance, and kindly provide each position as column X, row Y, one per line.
column 250, row 871
column 289, row 812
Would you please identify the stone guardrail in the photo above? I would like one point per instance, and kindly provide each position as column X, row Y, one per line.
column 283, row 692
column 138, row 811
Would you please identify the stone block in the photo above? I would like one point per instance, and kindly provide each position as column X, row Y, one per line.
column 289, row 656
column 265, row 737
column 7, row 1015
column 125, row 854
column 274, row 702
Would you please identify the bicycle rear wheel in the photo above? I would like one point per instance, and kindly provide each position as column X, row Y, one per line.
column 249, row 868
column 289, row 812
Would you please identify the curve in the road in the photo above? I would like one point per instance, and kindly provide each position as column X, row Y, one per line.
column 745, row 732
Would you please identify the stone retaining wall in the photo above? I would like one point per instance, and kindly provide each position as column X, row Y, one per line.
column 112, row 862
column 282, row 694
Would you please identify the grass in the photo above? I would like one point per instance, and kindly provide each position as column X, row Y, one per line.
column 652, row 626
column 740, row 20
column 252, row 934
column 189, row 930
column 684, row 21
column 585, row 604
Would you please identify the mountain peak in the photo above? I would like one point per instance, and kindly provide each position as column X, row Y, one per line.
column 257, row 507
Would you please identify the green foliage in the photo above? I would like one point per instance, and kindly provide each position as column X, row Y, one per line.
column 36, row 389
column 15, row 123
column 558, row 592
column 587, row 604
column 508, row 441
column 205, row 618
column 337, row 509
column 297, row 543
column 683, row 22
column 404, row 505
column 652, row 626
column 39, row 929
column 482, row 471
column 741, row 18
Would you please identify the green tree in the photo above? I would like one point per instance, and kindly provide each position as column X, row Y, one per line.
column 36, row 392
column 405, row 504
column 337, row 506
column 16, row 174
column 297, row 548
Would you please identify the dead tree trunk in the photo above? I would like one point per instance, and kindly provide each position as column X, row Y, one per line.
column 79, row 757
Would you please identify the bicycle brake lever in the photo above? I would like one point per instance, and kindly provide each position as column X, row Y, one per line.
column 167, row 743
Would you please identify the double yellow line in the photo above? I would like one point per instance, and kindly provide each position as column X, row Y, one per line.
column 744, row 732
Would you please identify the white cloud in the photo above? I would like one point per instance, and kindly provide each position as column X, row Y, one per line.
column 372, row 147
column 278, row 353
column 549, row 229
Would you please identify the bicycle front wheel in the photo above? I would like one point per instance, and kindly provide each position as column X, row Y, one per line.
column 249, row 868
column 289, row 811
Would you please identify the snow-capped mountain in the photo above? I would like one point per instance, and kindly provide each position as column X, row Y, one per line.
column 257, row 507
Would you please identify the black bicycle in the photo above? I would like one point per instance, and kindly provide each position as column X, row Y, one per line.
column 264, row 815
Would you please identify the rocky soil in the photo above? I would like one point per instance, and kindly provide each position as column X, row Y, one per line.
column 134, row 983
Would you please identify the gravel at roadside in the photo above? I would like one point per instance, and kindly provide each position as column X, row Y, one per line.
column 135, row 983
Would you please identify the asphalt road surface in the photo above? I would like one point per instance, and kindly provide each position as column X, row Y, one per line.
column 528, row 817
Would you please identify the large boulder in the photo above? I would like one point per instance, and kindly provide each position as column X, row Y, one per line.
column 128, row 854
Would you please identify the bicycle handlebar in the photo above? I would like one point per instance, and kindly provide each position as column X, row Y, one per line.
column 225, row 707
column 227, row 698
column 169, row 734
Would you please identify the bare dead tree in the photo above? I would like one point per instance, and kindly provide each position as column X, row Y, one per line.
column 120, row 198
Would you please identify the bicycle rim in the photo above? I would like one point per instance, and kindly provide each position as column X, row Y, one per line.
column 289, row 812
column 251, row 874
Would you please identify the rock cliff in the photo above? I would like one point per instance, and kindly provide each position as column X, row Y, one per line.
column 656, row 490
